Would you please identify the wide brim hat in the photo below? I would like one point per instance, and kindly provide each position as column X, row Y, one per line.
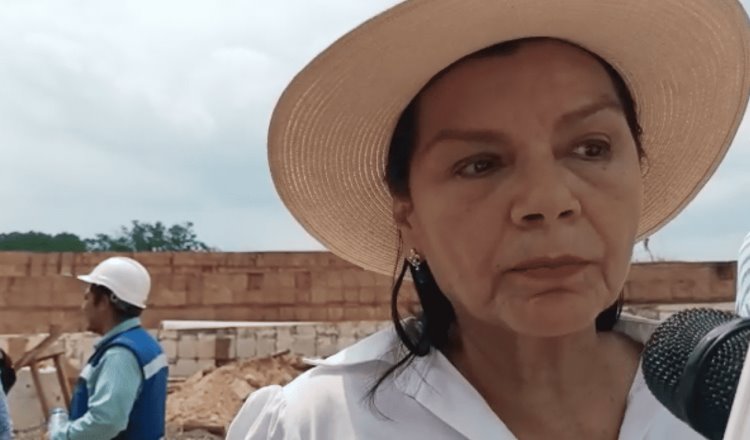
column 685, row 62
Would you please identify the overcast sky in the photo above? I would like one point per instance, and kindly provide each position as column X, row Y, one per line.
column 114, row 111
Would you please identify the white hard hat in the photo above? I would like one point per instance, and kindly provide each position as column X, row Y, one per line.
column 125, row 277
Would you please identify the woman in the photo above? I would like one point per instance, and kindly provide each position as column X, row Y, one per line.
column 516, row 151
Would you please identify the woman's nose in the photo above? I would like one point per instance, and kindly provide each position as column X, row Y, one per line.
column 543, row 198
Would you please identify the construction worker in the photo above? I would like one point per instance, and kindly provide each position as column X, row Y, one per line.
column 122, row 390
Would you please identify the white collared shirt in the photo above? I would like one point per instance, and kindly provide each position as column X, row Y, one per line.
column 430, row 399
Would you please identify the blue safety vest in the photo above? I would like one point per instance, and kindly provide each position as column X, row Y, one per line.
column 146, row 420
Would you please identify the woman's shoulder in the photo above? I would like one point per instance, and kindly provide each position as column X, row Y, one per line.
column 259, row 416
column 322, row 393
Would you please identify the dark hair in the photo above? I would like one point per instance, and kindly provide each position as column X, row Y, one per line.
column 431, row 328
column 7, row 371
column 123, row 310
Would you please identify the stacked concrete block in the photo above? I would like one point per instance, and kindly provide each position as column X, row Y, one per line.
column 286, row 336
column 326, row 339
column 226, row 346
column 194, row 346
column 206, row 346
column 168, row 342
column 187, row 346
column 303, row 340
column 348, row 332
column 247, row 343
column 186, row 363
column 266, row 342
column 170, row 349
column 192, row 350
column 189, row 352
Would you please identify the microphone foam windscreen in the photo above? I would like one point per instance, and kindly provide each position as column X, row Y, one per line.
column 701, row 395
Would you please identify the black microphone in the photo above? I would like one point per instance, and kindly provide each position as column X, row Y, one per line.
column 692, row 364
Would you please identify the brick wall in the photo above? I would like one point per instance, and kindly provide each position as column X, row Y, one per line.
column 38, row 289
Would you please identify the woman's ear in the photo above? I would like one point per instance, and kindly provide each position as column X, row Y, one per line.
column 403, row 209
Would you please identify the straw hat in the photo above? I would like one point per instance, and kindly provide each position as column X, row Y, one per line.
column 685, row 61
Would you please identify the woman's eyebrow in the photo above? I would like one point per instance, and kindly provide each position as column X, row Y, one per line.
column 497, row 137
column 481, row 136
column 605, row 103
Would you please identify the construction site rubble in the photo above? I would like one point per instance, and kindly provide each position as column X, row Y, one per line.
column 210, row 399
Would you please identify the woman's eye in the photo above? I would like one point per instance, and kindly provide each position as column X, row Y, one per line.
column 476, row 167
column 593, row 149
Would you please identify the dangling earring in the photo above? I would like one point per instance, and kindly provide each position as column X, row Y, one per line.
column 418, row 272
column 414, row 258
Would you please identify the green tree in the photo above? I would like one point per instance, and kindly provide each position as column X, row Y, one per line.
column 147, row 237
column 40, row 242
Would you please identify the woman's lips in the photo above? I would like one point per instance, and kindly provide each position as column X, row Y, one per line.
column 552, row 272
column 551, row 267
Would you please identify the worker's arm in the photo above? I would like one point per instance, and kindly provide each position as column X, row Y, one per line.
column 116, row 383
column 6, row 428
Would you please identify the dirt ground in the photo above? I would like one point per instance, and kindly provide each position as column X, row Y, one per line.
column 209, row 400
column 193, row 435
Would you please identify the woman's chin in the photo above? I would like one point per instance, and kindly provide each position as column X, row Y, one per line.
column 557, row 315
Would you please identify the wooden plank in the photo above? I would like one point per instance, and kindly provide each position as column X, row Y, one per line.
column 54, row 334
column 62, row 379
column 39, row 391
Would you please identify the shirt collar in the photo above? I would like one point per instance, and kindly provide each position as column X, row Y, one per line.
column 475, row 417
column 636, row 328
column 119, row 328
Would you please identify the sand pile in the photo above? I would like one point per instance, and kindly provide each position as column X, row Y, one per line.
column 210, row 399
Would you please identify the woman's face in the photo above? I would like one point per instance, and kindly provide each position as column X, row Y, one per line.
column 525, row 189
